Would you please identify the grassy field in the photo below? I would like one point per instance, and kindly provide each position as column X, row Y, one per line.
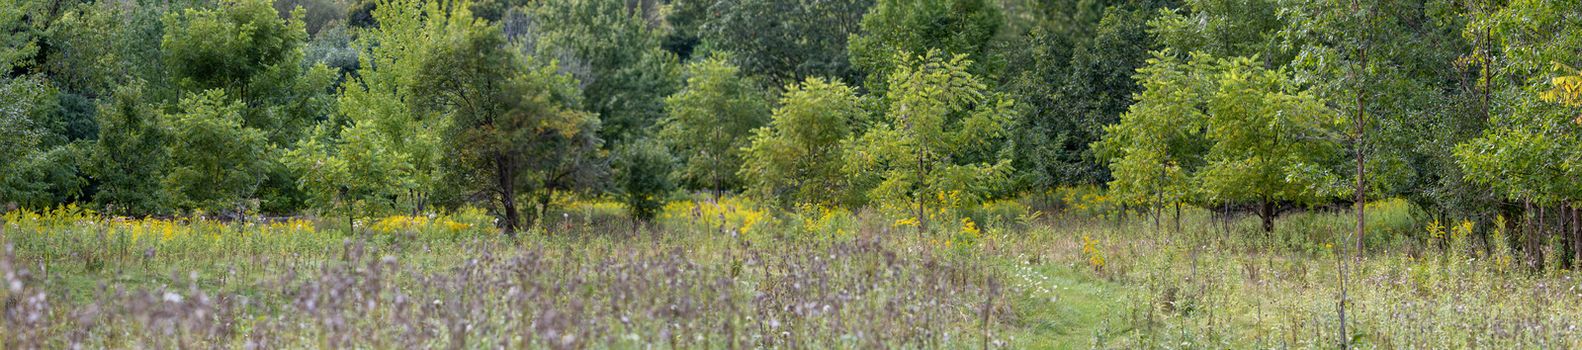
column 729, row 275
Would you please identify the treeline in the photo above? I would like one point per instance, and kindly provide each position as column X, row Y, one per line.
column 1468, row 108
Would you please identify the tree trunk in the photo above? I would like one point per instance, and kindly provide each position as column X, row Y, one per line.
column 1266, row 213
column 1178, row 218
column 503, row 178
column 1576, row 238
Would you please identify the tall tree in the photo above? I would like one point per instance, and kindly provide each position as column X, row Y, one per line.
column 797, row 157
column 895, row 31
column 514, row 121
column 785, row 41
column 615, row 54
column 1528, row 152
column 1159, row 144
column 940, row 143
column 216, row 162
column 378, row 134
column 129, row 155
column 1071, row 74
column 1260, row 138
column 709, row 121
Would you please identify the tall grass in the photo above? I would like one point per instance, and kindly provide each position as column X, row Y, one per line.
column 728, row 273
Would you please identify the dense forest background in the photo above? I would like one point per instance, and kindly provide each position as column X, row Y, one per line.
column 1467, row 108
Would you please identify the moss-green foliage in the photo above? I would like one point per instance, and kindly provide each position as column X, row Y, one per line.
column 1215, row 130
column 613, row 50
column 894, row 32
column 642, row 177
column 216, row 162
column 797, row 157
column 709, row 121
column 940, row 143
column 514, row 126
column 1529, row 151
column 129, row 157
column 782, row 41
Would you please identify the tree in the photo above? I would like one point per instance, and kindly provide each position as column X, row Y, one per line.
column 1529, row 151
column 895, row 31
column 636, row 163
column 1260, row 139
column 1224, row 28
column 1071, row 75
column 615, row 54
column 41, row 167
column 940, row 143
column 1385, row 65
column 785, row 41
column 797, row 157
column 18, row 44
column 226, row 47
column 246, row 49
column 514, row 121
column 708, row 123
column 1158, row 146
column 216, row 162
column 378, row 147
column 129, row 155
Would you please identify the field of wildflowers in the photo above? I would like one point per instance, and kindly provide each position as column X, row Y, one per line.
column 729, row 273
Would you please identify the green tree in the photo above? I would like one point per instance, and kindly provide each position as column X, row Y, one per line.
column 1385, row 66
column 246, row 48
column 785, row 41
column 1071, row 74
column 226, row 47
column 514, row 122
column 129, row 155
column 636, row 184
column 940, row 143
column 612, row 49
column 709, row 121
column 1159, row 144
column 1260, row 139
column 1529, row 151
column 216, row 162
column 797, row 157
column 1224, row 28
column 378, row 148
column 895, row 31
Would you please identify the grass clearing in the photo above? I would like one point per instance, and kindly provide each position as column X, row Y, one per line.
column 734, row 276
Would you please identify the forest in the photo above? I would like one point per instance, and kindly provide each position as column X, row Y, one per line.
column 573, row 174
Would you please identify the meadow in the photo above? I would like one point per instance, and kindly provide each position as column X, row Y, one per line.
column 728, row 274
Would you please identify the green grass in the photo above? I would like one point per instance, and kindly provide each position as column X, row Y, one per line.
column 1052, row 281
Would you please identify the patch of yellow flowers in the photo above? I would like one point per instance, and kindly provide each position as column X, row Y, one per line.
column 728, row 212
column 406, row 223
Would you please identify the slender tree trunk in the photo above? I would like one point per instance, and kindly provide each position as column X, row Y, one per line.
column 1266, row 213
column 922, row 218
column 1178, row 218
column 503, row 177
column 1576, row 238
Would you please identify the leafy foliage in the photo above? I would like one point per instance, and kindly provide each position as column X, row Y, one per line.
column 797, row 157
column 1238, row 133
column 896, row 31
column 940, row 142
column 514, row 122
column 616, row 56
column 129, row 156
column 216, row 162
column 709, row 121
column 642, row 178
column 785, row 41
